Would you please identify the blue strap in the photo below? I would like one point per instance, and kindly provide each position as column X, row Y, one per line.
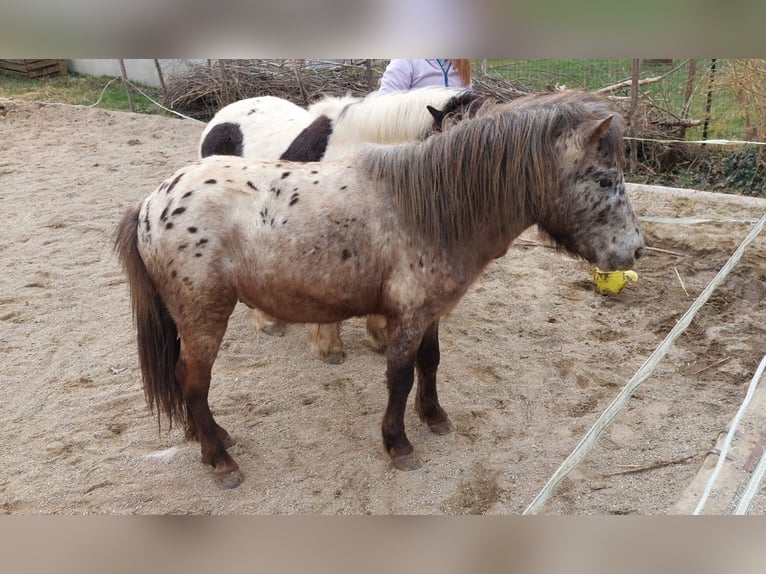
column 445, row 71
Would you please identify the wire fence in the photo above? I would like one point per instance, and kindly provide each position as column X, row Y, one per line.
column 711, row 91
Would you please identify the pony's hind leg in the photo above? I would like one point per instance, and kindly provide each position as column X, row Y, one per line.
column 199, row 347
column 326, row 342
column 191, row 429
column 426, row 401
column 267, row 324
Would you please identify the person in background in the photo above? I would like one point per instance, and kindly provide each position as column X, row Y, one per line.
column 410, row 74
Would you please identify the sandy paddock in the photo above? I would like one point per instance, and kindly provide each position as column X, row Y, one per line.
column 530, row 359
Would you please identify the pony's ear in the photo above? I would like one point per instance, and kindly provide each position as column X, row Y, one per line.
column 438, row 115
column 595, row 130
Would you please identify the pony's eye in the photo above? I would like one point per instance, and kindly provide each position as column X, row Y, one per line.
column 605, row 182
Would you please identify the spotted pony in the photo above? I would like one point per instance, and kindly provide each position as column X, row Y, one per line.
column 400, row 231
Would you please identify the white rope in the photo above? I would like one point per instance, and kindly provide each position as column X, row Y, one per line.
column 730, row 436
column 102, row 93
column 140, row 91
column 588, row 441
column 161, row 106
column 711, row 142
column 752, row 487
column 692, row 220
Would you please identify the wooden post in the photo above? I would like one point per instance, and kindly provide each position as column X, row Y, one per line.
column 161, row 77
column 125, row 83
column 689, row 88
column 709, row 100
column 634, row 71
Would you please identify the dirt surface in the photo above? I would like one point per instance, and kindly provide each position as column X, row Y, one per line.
column 530, row 358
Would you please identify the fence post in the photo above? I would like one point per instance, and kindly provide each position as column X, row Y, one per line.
column 709, row 101
column 634, row 72
column 125, row 83
column 689, row 88
column 161, row 76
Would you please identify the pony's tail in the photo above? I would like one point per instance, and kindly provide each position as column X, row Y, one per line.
column 156, row 332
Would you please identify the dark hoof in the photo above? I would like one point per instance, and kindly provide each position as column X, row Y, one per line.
column 229, row 480
column 406, row 461
column 443, row 427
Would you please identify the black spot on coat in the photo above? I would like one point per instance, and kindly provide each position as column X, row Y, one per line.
column 173, row 183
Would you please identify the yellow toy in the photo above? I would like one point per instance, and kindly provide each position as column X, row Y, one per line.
column 610, row 282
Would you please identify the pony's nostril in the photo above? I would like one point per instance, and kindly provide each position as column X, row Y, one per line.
column 639, row 252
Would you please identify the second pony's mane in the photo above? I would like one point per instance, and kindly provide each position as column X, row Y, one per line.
column 391, row 117
column 332, row 106
column 484, row 170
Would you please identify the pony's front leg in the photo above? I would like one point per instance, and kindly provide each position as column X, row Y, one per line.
column 400, row 375
column 326, row 342
column 194, row 377
column 427, row 401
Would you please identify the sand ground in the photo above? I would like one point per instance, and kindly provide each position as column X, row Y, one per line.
column 530, row 358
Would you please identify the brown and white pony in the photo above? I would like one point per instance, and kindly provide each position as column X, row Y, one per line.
column 400, row 231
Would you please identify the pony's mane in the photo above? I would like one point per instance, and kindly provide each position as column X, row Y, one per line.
column 486, row 170
column 392, row 117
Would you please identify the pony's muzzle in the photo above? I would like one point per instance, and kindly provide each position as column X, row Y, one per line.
column 621, row 259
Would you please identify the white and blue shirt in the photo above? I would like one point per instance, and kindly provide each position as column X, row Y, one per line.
column 410, row 74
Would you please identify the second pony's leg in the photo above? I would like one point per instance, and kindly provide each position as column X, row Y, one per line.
column 326, row 342
column 376, row 332
column 267, row 324
column 426, row 401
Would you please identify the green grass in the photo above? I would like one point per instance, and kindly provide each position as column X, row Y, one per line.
column 80, row 90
